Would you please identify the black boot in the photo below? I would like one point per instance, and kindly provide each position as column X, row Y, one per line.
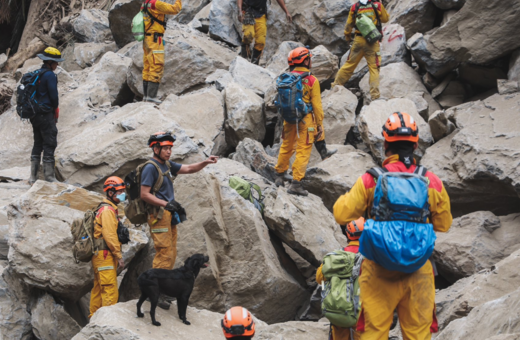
column 153, row 88
column 296, row 188
column 245, row 51
column 35, row 166
column 145, row 91
column 48, row 172
column 321, row 146
column 256, row 56
column 279, row 177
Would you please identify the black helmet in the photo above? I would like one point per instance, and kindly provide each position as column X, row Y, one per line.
column 161, row 138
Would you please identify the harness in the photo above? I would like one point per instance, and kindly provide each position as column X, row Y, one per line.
column 152, row 18
column 159, row 211
column 99, row 243
column 378, row 24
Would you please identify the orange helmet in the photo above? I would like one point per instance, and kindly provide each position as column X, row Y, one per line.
column 355, row 229
column 400, row 127
column 115, row 183
column 298, row 56
column 161, row 138
column 238, row 322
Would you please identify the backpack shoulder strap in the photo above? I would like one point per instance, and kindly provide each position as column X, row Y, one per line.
column 160, row 178
column 378, row 25
column 151, row 16
column 376, row 172
column 421, row 171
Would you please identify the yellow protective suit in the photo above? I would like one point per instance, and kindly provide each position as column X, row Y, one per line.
column 360, row 48
column 307, row 130
column 256, row 33
column 104, row 262
column 382, row 291
column 164, row 237
column 153, row 46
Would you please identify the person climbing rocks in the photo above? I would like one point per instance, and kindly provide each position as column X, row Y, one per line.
column 153, row 45
column 361, row 48
column 238, row 324
column 163, row 229
column 353, row 232
column 300, row 137
column 253, row 16
column 44, row 127
column 108, row 258
column 383, row 290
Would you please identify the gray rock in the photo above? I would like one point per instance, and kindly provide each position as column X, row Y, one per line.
column 420, row 103
column 201, row 19
column 190, row 8
column 223, row 22
column 441, row 124
column 15, row 320
column 3, row 60
column 251, row 153
column 414, row 15
column 324, row 64
column 112, row 69
column 92, row 26
column 278, row 62
column 448, row 15
column 514, row 66
column 120, row 18
column 508, row 86
column 50, row 321
column 220, row 78
column 339, row 108
column 422, row 53
column 449, row 4
column 480, row 76
column 251, row 76
column 81, row 56
column 454, row 94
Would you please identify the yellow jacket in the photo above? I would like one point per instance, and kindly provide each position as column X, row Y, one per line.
column 369, row 11
column 360, row 198
column 106, row 227
column 312, row 94
column 158, row 10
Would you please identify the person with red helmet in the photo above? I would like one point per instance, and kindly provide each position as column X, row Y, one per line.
column 238, row 324
column 352, row 232
column 383, row 290
column 108, row 257
column 162, row 203
column 300, row 137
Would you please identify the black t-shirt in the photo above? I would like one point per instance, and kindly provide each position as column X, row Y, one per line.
column 150, row 175
column 257, row 7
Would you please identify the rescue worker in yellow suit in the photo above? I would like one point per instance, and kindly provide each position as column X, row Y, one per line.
column 300, row 137
column 108, row 256
column 161, row 200
column 253, row 16
column 353, row 232
column 361, row 48
column 382, row 290
column 153, row 45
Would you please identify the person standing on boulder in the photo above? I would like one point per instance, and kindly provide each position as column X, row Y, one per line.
column 163, row 205
column 383, row 290
column 361, row 48
column 44, row 125
column 153, row 45
column 108, row 257
column 300, row 137
column 253, row 16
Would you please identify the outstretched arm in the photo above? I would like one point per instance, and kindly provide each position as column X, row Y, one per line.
column 166, row 8
column 282, row 4
column 196, row 167
column 240, row 15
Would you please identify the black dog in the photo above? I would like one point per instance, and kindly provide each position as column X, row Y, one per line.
column 176, row 283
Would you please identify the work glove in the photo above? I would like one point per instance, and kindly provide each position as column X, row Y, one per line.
column 57, row 114
column 172, row 206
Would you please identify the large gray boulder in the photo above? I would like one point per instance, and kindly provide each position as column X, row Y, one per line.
column 120, row 19
column 50, row 321
column 201, row 20
column 190, row 8
column 15, row 320
column 414, row 15
column 81, row 56
column 449, row 4
column 339, row 111
column 92, row 26
column 441, row 124
column 324, row 64
column 422, row 53
column 245, row 116
column 223, row 22
column 252, row 154
column 478, row 163
column 251, row 76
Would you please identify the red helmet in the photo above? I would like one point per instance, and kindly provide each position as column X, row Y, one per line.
column 355, row 229
column 238, row 322
column 161, row 138
column 400, row 127
column 298, row 56
column 115, row 183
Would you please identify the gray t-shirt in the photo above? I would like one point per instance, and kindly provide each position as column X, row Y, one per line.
column 150, row 175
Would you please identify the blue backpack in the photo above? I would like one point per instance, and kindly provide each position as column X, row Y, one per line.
column 289, row 101
column 398, row 238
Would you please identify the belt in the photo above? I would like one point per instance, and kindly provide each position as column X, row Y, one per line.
column 100, row 244
column 359, row 35
column 158, row 34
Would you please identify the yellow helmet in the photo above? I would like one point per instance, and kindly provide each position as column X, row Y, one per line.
column 51, row 53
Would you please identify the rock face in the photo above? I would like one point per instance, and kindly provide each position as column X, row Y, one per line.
column 81, row 56
column 112, row 69
column 15, row 320
column 414, row 15
column 252, row 154
column 324, row 64
column 120, row 19
column 201, row 19
column 50, row 320
column 92, row 26
column 339, row 108
column 245, row 116
column 223, row 22
column 482, row 151
column 441, row 125
column 251, row 76
column 374, row 116
column 422, row 53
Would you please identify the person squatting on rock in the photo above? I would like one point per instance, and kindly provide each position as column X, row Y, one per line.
column 163, row 205
column 153, row 45
column 108, row 256
column 253, row 16
column 353, row 232
column 238, row 324
column 300, row 137
column 361, row 48
column 44, row 124
column 382, row 290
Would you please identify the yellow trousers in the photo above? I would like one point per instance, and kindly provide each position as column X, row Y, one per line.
column 153, row 59
column 256, row 33
column 164, row 237
column 382, row 291
column 301, row 144
column 360, row 48
column 105, row 292
column 340, row 333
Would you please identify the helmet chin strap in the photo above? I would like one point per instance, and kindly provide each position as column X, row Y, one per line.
column 159, row 155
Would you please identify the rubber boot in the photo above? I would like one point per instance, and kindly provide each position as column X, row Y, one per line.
column 256, row 56
column 296, row 188
column 48, row 172
column 145, row 91
column 162, row 303
column 153, row 88
column 279, row 177
column 321, row 146
column 244, row 51
column 35, row 166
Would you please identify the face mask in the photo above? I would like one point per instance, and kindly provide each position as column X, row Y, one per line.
column 121, row 197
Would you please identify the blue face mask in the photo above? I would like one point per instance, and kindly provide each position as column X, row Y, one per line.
column 121, row 197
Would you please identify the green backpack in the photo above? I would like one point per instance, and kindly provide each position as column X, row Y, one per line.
column 245, row 189
column 366, row 26
column 138, row 26
column 340, row 302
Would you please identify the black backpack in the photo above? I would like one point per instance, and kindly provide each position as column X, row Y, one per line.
column 27, row 105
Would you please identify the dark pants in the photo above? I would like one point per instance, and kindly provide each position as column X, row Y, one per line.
column 45, row 137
